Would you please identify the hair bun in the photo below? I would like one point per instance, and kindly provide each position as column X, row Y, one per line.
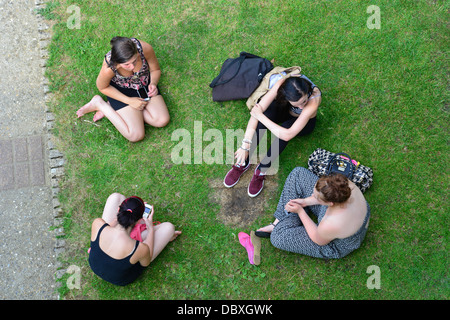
column 130, row 211
column 334, row 188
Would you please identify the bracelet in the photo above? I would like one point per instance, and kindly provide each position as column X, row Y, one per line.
column 246, row 141
column 244, row 149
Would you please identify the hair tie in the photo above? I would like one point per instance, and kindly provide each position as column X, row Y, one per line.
column 130, row 210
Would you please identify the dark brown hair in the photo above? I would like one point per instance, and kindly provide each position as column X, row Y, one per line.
column 292, row 89
column 122, row 50
column 334, row 188
column 130, row 211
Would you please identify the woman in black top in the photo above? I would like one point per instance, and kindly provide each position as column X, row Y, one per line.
column 288, row 110
column 114, row 255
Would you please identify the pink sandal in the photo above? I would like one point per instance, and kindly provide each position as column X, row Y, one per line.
column 245, row 241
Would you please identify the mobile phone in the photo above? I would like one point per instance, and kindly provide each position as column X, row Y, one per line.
column 143, row 94
column 147, row 211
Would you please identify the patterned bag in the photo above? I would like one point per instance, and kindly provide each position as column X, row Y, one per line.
column 322, row 162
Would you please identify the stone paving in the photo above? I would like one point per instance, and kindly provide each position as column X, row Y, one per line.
column 22, row 163
column 29, row 164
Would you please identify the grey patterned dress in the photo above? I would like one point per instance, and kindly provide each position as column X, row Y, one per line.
column 289, row 234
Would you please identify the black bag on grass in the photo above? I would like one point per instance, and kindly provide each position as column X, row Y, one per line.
column 239, row 77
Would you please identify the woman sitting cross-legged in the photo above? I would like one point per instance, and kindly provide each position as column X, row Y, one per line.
column 117, row 257
column 129, row 77
column 339, row 205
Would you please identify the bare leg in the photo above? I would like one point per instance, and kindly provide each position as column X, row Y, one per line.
column 156, row 113
column 164, row 233
column 128, row 121
column 112, row 208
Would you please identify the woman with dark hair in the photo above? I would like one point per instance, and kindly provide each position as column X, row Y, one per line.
column 117, row 257
column 129, row 78
column 288, row 110
column 342, row 213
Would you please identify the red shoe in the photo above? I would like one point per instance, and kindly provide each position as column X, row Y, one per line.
column 234, row 175
column 257, row 183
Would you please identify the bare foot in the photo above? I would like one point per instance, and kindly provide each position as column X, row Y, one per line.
column 91, row 106
column 98, row 115
column 175, row 235
column 268, row 228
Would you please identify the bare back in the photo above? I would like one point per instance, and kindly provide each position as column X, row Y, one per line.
column 348, row 217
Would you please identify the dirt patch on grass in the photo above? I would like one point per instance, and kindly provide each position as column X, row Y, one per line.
column 237, row 208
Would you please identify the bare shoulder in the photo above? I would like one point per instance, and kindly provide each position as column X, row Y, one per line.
column 316, row 91
column 96, row 225
column 146, row 47
column 106, row 69
column 357, row 194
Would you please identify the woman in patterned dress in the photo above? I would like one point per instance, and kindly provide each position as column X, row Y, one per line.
column 129, row 77
column 342, row 213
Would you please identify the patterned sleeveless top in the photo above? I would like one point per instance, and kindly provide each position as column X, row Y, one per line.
column 138, row 79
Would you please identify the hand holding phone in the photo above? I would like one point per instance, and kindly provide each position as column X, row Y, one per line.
column 143, row 94
column 148, row 210
column 137, row 103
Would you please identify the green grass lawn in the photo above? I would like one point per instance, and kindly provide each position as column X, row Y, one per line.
column 385, row 102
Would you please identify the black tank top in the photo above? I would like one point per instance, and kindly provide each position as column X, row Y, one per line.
column 116, row 271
